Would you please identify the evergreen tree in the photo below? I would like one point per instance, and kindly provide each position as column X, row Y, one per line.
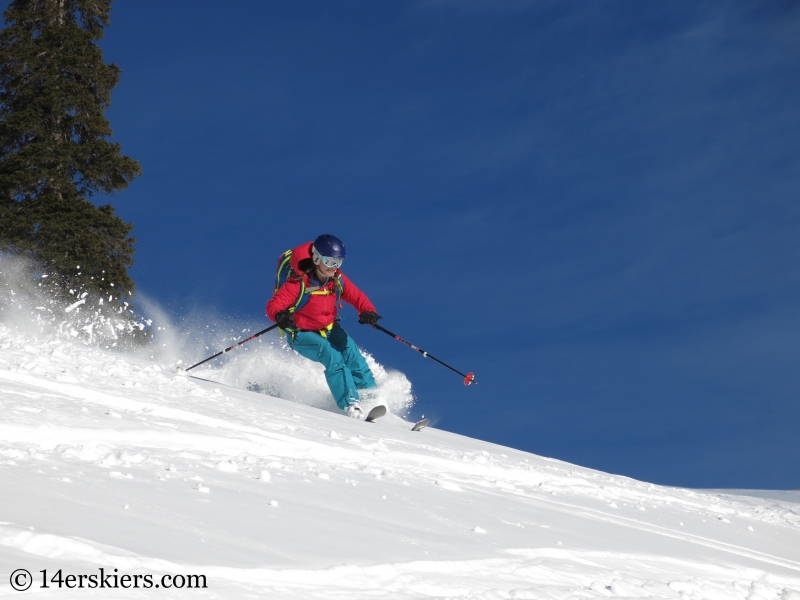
column 55, row 151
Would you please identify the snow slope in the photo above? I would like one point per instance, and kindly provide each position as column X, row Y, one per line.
column 113, row 462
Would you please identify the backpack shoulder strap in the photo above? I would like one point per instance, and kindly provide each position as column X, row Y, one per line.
column 339, row 286
column 302, row 298
column 283, row 270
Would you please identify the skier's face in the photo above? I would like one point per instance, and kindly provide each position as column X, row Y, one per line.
column 324, row 271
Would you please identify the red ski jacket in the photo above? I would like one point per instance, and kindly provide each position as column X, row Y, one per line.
column 320, row 311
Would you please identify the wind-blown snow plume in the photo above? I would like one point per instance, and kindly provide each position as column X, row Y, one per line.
column 29, row 304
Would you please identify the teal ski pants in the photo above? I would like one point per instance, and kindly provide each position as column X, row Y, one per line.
column 346, row 371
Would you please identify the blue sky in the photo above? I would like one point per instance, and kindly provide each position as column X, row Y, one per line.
column 593, row 205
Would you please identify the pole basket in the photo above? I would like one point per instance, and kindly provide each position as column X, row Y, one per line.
column 470, row 378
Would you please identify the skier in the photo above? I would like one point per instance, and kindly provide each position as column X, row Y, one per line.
column 304, row 307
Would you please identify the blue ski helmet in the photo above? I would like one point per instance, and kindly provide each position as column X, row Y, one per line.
column 329, row 245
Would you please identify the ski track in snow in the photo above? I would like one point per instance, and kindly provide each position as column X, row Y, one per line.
column 112, row 462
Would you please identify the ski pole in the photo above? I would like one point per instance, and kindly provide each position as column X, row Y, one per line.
column 252, row 337
column 468, row 378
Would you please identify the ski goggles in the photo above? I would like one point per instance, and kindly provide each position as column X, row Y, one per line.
column 328, row 261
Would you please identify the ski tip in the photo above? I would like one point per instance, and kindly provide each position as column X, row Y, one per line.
column 419, row 425
column 469, row 379
column 376, row 413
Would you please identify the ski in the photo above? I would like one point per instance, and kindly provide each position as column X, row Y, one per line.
column 420, row 425
column 376, row 413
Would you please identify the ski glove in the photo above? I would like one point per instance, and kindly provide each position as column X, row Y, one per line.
column 284, row 319
column 368, row 318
